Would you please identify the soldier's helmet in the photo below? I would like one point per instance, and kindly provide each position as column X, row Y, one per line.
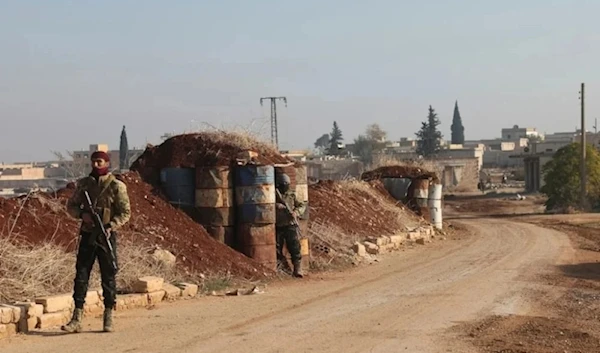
column 283, row 179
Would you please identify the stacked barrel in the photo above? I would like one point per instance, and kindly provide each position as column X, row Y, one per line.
column 255, row 201
column 179, row 185
column 302, row 195
column 420, row 189
column 215, row 207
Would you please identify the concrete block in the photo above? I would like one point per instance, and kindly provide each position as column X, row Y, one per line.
column 396, row 239
column 27, row 309
column 130, row 301
column 371, row 248
column 7, row 315
column 414, row 235
column 379, row 241
column 39, row 310
column 28, row 324
column 92, row 297
column 7, row 330
column 156, row 297
column 56, row 319
column 188, row 289
column 171, row 292
column 148, row 284
column 92, row 310
column 359, row 249
column 56, row 303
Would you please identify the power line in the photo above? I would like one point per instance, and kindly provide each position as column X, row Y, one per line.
column 274, row 138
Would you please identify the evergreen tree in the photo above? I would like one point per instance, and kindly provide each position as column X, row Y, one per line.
column 429, row 137
column 457, row 128
column 335, row 138
column 123, row 151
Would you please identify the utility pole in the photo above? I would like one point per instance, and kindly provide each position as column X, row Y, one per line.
column 595, row 126
column 583, row 146
column 274, row 138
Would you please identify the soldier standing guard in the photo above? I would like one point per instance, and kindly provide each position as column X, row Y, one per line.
column 111, row 202
column 287, row 225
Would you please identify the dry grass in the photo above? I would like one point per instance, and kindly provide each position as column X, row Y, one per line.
column 386, row 160
column 252, row 137
column 331, row 248
column 28, row 271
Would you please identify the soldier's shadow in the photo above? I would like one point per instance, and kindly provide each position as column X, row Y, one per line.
column 60, row 333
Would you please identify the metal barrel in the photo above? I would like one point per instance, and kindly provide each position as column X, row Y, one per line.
column 302, row 187
column 420, row 194
column 255, row 201
column 179, row 185
column 434, row 203
column 397, row 187
column 215, row 203
column 288, row 169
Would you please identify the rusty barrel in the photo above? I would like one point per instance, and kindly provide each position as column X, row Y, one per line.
column 288, row 169
column 421, row 195
column 178, row 184
column 215, row 204
column 302, row 195
column 255, row 201
column 302, row 187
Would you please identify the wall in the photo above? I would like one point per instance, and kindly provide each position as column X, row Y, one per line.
column 455, row 173
column 501, row 159
column 334, row 169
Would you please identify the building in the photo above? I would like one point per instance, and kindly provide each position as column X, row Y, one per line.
column 19, row 178
column 516, row 133
column 80, row 164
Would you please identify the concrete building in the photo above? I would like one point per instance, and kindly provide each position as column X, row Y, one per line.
column 516, row 133
column 25, row 176
column 80, row 164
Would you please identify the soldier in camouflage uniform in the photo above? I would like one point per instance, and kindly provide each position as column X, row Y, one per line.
column 109, row 196
column 286, row 225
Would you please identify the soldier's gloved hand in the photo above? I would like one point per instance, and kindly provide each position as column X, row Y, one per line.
column 281, row 206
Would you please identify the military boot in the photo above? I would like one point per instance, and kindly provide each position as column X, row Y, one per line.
column 108, row 322
column 75, row 324
column 298, row 269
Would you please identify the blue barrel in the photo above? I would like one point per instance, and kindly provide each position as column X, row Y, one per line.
column 255, row 201
column 255, row 194
column 179, row 185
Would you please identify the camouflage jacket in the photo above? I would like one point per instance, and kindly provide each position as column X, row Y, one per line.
column 109, row 197
column 283, row 217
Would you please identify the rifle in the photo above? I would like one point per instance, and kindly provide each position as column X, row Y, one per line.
column 290, row 212
column 99, row 223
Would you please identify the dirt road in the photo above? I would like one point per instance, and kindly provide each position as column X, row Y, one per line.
column 405, row 303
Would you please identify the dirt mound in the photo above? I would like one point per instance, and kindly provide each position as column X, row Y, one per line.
column 154, row 222
column 202, row 149
column 398, row 171
column 358, row 208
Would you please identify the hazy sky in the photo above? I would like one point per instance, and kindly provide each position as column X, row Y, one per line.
column 73, row 72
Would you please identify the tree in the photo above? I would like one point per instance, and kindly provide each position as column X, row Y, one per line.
column 363, row 148
column 373, row 140
column 375, row 133
column 562, row 177
column 322, row 143
column 123, row 151
column 457, row 128
column 336, row 138
column 428, row 138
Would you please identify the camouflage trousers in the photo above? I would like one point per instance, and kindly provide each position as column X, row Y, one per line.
column 88, row 252
column 288, row 236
